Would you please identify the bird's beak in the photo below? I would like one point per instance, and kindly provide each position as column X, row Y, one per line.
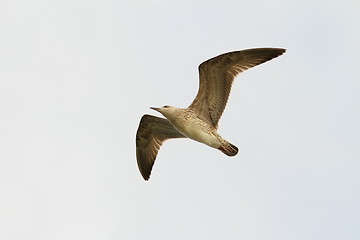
column 154, row 108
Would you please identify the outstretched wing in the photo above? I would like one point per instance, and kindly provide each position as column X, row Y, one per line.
column 152, row 132
column 217, row 75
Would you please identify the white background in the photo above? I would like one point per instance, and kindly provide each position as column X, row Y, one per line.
column 76, row 77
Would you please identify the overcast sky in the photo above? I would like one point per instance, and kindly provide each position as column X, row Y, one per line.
column 76, row 77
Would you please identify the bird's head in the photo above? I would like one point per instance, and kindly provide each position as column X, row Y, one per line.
column 167, row 111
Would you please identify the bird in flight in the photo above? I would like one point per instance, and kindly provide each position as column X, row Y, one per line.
column 200, row 120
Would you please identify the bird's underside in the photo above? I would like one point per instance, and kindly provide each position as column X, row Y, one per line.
column 216, row 77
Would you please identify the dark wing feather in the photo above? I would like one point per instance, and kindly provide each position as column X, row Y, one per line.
column 217, row 75
column 152, row 132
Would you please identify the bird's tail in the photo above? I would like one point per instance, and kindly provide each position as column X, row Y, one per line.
column 229, row 149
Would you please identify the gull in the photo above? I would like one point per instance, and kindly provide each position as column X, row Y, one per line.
column 199, row 121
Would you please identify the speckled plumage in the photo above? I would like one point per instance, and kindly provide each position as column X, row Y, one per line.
column 200, row 120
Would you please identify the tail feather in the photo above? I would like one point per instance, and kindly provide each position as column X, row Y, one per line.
column 229, row 149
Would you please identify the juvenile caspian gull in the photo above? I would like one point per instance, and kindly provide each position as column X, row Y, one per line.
column 200, row 120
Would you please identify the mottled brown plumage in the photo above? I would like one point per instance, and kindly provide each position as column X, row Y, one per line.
column 152, row 132
column 217, row 75
column 200, row 120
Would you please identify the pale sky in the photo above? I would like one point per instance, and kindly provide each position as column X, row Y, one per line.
column 76, row 77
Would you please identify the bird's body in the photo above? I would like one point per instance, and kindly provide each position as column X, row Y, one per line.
column 200, row 120
column 190, row 125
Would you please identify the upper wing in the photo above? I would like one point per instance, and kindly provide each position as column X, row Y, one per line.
column 152, row 132
column 218, row 73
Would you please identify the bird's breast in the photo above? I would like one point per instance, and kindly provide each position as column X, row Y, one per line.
column 197, row 130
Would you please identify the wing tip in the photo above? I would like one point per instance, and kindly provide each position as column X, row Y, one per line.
column 281, row 51
column 146, row 177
